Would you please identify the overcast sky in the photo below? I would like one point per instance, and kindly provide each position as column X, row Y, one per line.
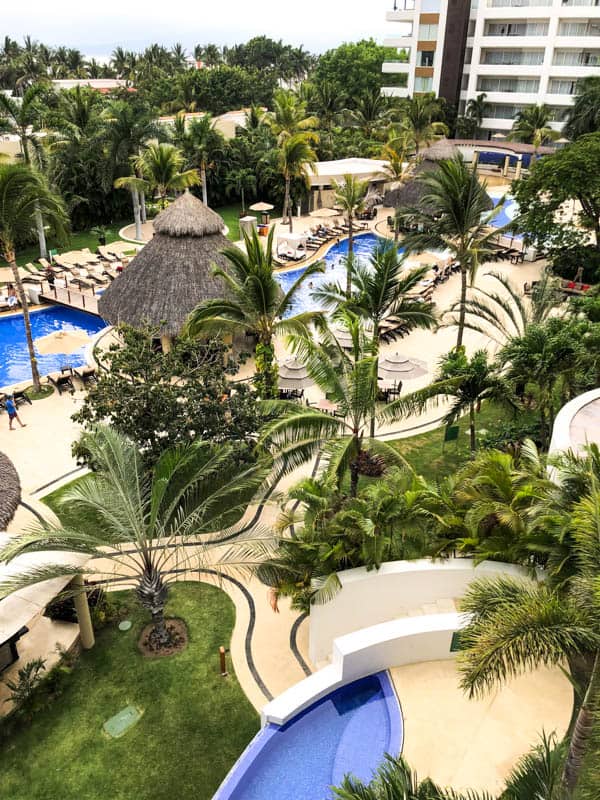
column 97, row 28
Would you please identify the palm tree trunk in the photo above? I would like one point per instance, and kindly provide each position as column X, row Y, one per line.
column 286, row 201
column 375, row 346
column 41, row 233
column 354, row 475
column 143, row 214
column 580, row 738
column 243, row 201
column 472, row 441
column 350, row 257
column 204, row 187
column 152, row 593
column 463, row 305
column 35, row 375
column 136, row 214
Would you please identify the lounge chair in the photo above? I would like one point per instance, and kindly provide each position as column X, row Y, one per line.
column 45, row 263
column 30, row 277
column 63, row 380
column 86, row 374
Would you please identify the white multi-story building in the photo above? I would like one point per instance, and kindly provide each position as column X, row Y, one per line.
column 518, row 52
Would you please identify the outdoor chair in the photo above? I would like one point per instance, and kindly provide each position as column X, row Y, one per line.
column 86, row 375
column 63, row 380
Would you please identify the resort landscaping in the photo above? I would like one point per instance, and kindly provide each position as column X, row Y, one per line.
column 308, row 505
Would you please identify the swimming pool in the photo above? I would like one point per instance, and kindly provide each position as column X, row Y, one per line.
column 335, row 270
column 348, row 731
column 14, row 357
column 508, row 212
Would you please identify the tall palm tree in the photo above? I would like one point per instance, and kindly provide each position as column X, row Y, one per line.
column 419, row 120
column 253, row 301
column 584, row 115
column 371, row 114
column 476, row 108
column 504, row 314
column 205, row 144
column 380, row 295
column 289, row 116
column 467, row 382
column 454, row 215
column 327, row 103
column 531, row 126
column 298, row 433
column 294, row 156
column 160, row 165
column 350, row 195
column 23, row 194
column 134, row 523
column 514, row 627
column 138, row 188
column 24, row 119
column 240, row 180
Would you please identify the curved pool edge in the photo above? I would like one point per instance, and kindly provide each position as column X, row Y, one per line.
column 314, row 259
column 247, row 758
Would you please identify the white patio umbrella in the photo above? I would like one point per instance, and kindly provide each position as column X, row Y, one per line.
column 261, row 207
column 398, row 367
column 293, row 374
column 66, row 342
column 324, row 213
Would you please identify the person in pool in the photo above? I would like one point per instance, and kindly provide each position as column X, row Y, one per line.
column 11, row 410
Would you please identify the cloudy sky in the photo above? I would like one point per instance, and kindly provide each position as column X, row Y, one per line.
column 98, row 28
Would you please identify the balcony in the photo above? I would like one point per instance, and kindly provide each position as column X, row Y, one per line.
column 517, row 3
column 393, row 67
column 395, row 91
column 590, row 27
column 512, row 58
column 500, row 28
column 399, row 41
column 403, row 11
column 569, row 58
column 573, row 3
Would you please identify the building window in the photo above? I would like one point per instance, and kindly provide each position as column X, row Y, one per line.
column 512, row 57
column 468, row 55
column 426, row 59
column 521, row 85
column 574, row 58
column 562, row 86
column 502, row 28
column 583, row 28
column 471, row 30
column 423, row 84
column 428, row 33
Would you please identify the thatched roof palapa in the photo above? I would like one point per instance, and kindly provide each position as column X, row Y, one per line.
column 167, row 279
column 10, row 491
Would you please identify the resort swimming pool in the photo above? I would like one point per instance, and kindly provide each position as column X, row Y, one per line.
column 14, row 357
column 349, row 730
column 335, row 271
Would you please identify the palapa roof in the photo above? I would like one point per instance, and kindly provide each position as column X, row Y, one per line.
column 10, row 491
column 167, row 279
column 411, row 193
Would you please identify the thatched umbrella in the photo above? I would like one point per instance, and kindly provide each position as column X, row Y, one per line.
column 10, row 491
column 166, row 280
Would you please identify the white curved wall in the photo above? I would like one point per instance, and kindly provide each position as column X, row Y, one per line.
column 561, row 432
column 368, row 598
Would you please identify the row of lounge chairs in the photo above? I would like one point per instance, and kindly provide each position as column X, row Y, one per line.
column 63, row 380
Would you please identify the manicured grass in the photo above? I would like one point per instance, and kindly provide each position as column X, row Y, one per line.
column 424, row 452
column 195, row 723
column 76, row 241
column 231, row 216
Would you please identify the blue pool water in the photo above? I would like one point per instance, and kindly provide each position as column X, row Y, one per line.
column 335, row 271
column 349, row 731
column 509, row 210
column 14, row 357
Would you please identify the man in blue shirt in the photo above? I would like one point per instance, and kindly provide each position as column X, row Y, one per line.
column 11, row 410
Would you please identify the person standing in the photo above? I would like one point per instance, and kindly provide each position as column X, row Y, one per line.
column 11, row 410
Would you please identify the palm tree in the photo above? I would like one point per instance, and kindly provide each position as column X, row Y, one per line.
column 204, row 143
column 138, row 188
column 138, row 521
column 380, row 296
column 505, row 314
column 23, row 195
column 476, row 108
column 298, row 433
column 454, row 214
column 419, row 122
column 514, row 627
column 24, row 119
column 350, row 195
column 327, row 103
column 395, row 780
column 467, row 382
column 160, row 165
column 289, row 116
column 584, row 115
column 240, row 180
column 371, row 114
column 294, row 156
column 254, row 302
column 531, row 126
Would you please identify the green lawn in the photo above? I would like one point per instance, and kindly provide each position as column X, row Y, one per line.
column 195, row 723
column 424, row 452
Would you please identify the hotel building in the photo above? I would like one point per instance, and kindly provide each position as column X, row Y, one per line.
column 518, row 52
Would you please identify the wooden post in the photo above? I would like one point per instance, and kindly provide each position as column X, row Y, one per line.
column 223, row 662
column 86, row 630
